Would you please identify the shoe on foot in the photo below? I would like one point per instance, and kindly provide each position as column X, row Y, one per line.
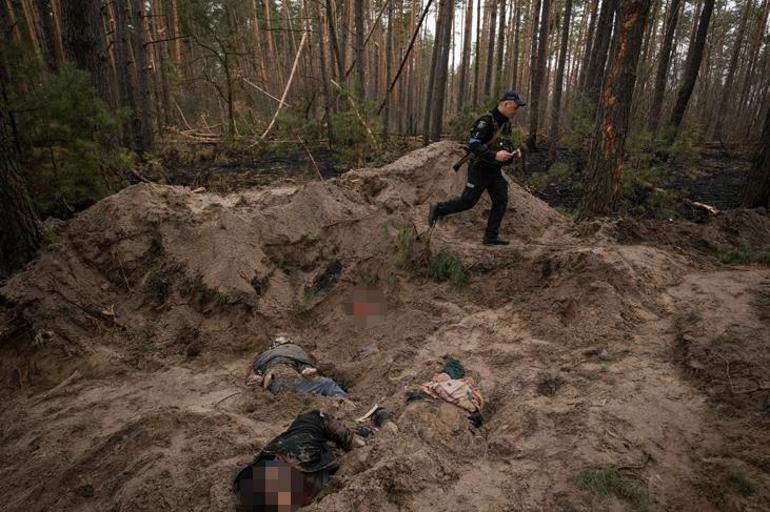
column 495, row 241
column 433, row 214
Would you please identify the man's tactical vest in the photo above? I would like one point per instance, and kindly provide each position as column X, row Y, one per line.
column 505, row 140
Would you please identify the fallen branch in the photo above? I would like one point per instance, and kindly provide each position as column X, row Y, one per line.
column 286, row 89
column 263, row 91
column 312, row 160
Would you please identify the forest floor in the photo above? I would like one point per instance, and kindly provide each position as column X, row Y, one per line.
column 623, row 363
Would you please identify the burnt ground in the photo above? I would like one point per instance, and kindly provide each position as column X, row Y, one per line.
column 717, row 178
column 226, row 169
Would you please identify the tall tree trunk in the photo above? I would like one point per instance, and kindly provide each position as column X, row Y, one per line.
column 595, row 71
column 694, row 57
column 759, row 35
column 757, row 191
column 515, row 55
column 537, row 93
column 335, row 47
column 604, row 187
column 477, row 59
column 360, row 54
column 388, row 67
column 664, row 59
column 557, row 86
column 589, row 44
column 49, row 33
column 466, row 55
column 445, row 38
column 500, row 46
column 20, row 230
column 436, row 87
column 325, row 75
column 259, row 56
column 85, row 43
column 142, row 78
column 488, row 79
column 533, row 24
column 177, row 33
column 125, row 96
column 726, row 95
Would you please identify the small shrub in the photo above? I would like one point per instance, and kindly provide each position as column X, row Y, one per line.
column 581, row 126
column 726, row 339
column 609, row 482
column 446, row 266
column 460, row 125
column 746, row 255
column 561, row 171
column 69, row 156
column 405, row 240
column 739, row 482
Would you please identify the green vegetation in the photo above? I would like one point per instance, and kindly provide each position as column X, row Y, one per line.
column 581, row 123
column 446, row 266
column 740, row 483
column 745, row 254
column 405, row 241
column 726, row 339
column 67, row 143
column 440, row 267
column 609, row 482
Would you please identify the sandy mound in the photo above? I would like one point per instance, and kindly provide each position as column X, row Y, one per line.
column 124, row 347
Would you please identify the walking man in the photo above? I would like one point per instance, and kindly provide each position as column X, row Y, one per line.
column 492, row 148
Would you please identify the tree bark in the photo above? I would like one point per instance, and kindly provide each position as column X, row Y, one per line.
column 360, row 54
column 325, row 76
column 500, row 46
column 84, row 43
column 20, row 230
column 533, row 25
column 142, row 78
column 694, row 58
column 595, row 71
column 477, row 59
column 436, row 88
column 515, row 55
column 664, row 59
column 488, row 79
column 604, row 187
column 537, row 93
column 589, row 44
column 557, row 86
column 388, row 67
column 49, row 33
column 757, row 191
column 466, row 55
column 728, row 85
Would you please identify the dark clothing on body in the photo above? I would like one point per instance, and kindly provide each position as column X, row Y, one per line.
column 304, row 446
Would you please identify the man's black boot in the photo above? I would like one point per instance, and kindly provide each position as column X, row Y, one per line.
column 495, row 241
column 433, row 214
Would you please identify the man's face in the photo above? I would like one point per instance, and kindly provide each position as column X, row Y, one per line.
column 508, row 108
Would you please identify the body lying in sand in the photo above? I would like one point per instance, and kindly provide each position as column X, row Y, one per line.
column 287, row 367
column 293, row 468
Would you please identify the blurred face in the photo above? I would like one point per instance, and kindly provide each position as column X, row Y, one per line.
column 276, row 488
column 508, row 108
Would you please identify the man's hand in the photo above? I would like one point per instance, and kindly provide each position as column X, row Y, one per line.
column 503, row 155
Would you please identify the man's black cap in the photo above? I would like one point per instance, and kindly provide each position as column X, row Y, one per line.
column 513, row 95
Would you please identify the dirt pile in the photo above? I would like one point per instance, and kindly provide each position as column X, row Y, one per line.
column 124, row 350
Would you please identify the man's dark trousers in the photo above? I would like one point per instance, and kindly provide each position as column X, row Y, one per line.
column 480, row 178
